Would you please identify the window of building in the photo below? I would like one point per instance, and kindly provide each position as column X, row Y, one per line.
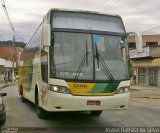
column 132, row 45
column 152, row 44
column 142, row 76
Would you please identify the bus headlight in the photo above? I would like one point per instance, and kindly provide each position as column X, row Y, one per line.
column 123, row 90
column 60, row 89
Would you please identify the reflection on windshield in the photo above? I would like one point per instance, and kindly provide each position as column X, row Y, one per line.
column 71, row 57
column 85, row 59
column 71, row 51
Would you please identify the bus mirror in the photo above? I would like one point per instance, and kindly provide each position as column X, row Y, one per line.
column 138, row 40
column 46, row 35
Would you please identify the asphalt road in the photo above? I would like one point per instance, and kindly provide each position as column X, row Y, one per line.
column 23, row 116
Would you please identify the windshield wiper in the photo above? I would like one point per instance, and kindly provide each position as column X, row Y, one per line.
column 97, row 56
column 103, row 64
column 85, row 59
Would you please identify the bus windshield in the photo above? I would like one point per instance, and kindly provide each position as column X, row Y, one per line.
column 84, row 56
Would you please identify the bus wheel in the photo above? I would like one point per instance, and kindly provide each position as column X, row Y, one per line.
column 95, row 113
column 40, row 112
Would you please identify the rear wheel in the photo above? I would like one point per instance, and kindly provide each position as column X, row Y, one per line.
column 40, row 112
column 95, row 113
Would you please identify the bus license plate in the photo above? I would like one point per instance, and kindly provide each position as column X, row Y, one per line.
column 97, row 103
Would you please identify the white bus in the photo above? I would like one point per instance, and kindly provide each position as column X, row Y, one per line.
column 76, row 61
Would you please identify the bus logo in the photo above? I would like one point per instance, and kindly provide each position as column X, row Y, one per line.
column 80, row 85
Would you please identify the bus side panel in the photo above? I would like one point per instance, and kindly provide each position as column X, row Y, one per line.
column 36, row 76
column 29, row 73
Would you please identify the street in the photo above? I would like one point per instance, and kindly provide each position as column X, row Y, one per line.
column 23, row 115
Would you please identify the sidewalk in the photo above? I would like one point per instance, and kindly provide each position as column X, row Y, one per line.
column 3, row 84
column 140, row 87
column 145, row 94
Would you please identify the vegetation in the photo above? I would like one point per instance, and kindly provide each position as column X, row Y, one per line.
column 10, row 43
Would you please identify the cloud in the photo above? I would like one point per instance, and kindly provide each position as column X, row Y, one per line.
column 26, row 15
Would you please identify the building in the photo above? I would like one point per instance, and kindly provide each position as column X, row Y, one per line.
column 2, row 64
column 10, row 54
column 146, row 65
column 6, row 69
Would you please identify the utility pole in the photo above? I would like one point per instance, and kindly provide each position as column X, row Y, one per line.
column 13, row 59
column 13, row 30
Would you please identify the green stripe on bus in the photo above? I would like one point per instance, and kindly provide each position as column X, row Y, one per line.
column 105, row 87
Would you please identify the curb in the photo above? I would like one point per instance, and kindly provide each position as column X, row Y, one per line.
column 6, row 85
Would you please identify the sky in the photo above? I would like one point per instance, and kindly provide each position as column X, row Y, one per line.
column 138, row 15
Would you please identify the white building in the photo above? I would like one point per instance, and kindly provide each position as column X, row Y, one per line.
column 2, row 62
column 7, row 65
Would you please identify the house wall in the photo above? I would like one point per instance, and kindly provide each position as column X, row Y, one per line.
column 148, row 67
column 146, row 38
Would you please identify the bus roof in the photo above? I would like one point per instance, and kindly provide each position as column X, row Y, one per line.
column 81, row 11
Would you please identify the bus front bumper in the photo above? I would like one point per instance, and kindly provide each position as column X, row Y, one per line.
column 56, row 102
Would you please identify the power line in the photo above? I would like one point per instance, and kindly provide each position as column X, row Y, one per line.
column 100, row 6
column 108, row 5
column 8, row 18
column 150, row 29
column 7, row 15
column 113, row 3
column 11, row 25
column 133, row 5
column 105, row 4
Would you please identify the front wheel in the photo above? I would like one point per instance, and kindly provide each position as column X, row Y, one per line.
column 40, row 112
column 95, row 113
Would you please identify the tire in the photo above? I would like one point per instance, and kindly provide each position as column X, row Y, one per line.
column 96, row 113
column 41, row 113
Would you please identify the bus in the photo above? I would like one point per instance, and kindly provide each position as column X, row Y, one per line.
column 76, row 61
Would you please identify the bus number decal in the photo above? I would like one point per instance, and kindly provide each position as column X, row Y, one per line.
column 80, row 85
